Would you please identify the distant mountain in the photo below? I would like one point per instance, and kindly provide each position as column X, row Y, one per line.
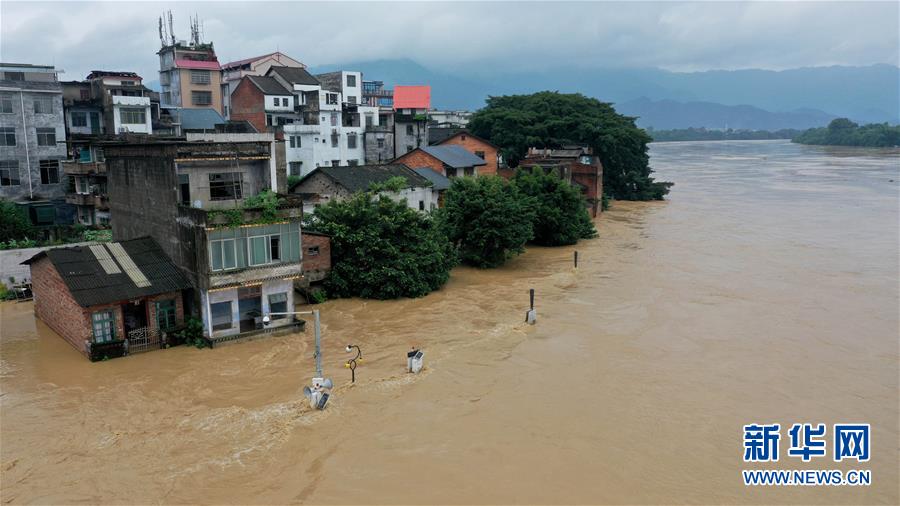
column 864, row 94
column 670, row 114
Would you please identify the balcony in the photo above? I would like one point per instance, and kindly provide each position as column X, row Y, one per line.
column 296, row 128
column 74, row 168
column 88, row 199
column 131, row 101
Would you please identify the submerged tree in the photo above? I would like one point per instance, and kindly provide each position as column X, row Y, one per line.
column 382, row 249
column 560, row 215
column 487, row 219
column 14, row 223
column 551, row 120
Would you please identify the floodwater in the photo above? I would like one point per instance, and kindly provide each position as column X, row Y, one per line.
column 765, row 290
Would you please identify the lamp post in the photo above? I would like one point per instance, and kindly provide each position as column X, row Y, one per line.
column 352, row 362
column 316, row 394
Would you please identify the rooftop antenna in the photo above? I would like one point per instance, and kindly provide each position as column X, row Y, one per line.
column 171, row 28
column 195, row 30
column 162, row 39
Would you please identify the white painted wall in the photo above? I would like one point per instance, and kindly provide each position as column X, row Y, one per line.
column 120, row 102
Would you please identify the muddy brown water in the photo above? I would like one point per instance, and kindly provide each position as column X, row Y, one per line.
column 764, row 290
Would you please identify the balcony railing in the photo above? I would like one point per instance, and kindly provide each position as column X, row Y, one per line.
column 75, row 168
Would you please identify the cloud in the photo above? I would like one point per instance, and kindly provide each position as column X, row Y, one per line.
column 463, row 37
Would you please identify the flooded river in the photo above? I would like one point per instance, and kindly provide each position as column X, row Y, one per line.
column 764, row 290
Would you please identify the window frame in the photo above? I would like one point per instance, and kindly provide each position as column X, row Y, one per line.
column 46, row 166
column 83, row 119
column 6, row 99
column 169, row 309
column 220, row 245
column 107, row 326
column 11, row 167
column 45, row 133
column 221, row 326
column 197, row 79
column 198, row 93
column 237, row 185
column 7, row 133
column 129, row 112
column 42, row 100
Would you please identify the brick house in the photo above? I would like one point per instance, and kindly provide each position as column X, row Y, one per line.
column 258, row 100
column 105, row 299
column 486, row 150
column 449, row 161
column 577, row 165
column 316, row 256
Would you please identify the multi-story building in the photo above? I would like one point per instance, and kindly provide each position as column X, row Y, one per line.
column 190, row 76
column 411, row 104
column 233, row 72
column 33, row 142
column 578, row 165
column 454, row 119
column 104, row 105
column 379, row 135
column 190, row 197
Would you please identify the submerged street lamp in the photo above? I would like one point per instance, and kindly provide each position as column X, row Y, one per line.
column 316, row 393
column 351, row 364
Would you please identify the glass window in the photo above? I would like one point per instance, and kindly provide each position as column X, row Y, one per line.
column 7, row 136
column 296, row 168
column 409, row 130
column 43, row 105
column 9, row 173
column 351, row 81
column 275, row 247
column 165, row 314
column 225, row 186
column 199, row 77
column 258, row 250
column 49, row 171
column 46, row 136
column 351, row 141
column 220, row 314
column 380, row 143
column 133, row 115
column 480, row 154
column 278, row 304
column 6, row 106
column 104, row 325
column 312, row 251
column 79, row 119
column 82, row 185
column 222, row 254
column 201, row 97
column 277, row 101
column 15, row 76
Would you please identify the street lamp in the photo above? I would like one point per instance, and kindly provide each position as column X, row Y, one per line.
column 351, row 364
column 316, row 393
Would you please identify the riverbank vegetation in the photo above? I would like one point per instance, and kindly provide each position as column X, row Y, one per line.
column 843, row 132
column 551, row 119
column 702, row 134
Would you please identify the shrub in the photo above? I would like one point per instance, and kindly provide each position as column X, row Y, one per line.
column 560, row 215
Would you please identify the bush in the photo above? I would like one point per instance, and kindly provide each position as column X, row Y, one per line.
column 14, row 223
column 381, row 249
column 487, row 219
column 560, row 215
column 192, row 333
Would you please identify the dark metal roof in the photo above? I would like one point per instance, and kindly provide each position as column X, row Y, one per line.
column 360, row 177
column 268, row 85
column 90, row 285
column 295, row 75
column 439, row 181
column 199, row 119
column 454, row 156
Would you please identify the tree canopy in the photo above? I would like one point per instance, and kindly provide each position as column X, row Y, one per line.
column 560, row 215
column 381, row 249
column 14, row 223
column 843, row 132
column 551, row 119
column 487, row 219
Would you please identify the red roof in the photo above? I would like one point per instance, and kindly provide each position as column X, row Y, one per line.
column 195, row 64
column 412, row 97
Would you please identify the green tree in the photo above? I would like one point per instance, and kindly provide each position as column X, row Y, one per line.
column 487, row 219
column 382, row 249
column 560, row 215
column 843, row 132
column 14, row 223
column 551, row 119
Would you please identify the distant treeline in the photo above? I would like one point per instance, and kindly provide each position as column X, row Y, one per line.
column 702, row 134
column 843, row 132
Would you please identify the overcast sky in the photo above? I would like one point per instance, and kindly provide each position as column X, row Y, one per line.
column 463, row 36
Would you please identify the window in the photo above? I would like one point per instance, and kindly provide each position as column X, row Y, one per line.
column 281, row 121
column 352, row 163
column 268, row 120
column 331, row 98
column 351, row 100
column 127, row 83
column 222, row 254
column 451, row 172
column 334, row 119
column 46, row 136
column 586, row 159
column 79, row 119
column 199, row 77
column 421, row 205
column 133, row 116
column 220, row 314
column 296, row 168
column 43, row 105
column 351, row 141
column 9, row 172
column 225, row 186
column 380, row 143
column 370, row 119
column 6, row 106
column 265, row 249
column 334, row 140
column 15, row 76
column 7, row 136
column 410, row 147
column 409, row 130
column 335, row 163
column 312, row 251
column 84, row 94
column 277, row 101
column 49, row 171
column 82, row 185
column 165, row 314
column 295, row 141
column 351, row 81
column 278, row 304
column 184, row 189
column 480, row 154
column 275, row 247
column 104, row 325
column 201, row 97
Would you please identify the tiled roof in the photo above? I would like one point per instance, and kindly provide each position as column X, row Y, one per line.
column 439, row 181
column 454, row 156
column 295, row 75
column 92, row 283
column 412, row 97
column 268, row 85
column 360, row 177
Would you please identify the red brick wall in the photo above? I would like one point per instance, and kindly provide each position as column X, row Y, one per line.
column 418, row 158
column 54, row 305
column 249, row 104
column 151, row 307
column 320, row 262
column 473, row 144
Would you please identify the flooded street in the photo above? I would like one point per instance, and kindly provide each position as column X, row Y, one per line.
column 765, row 290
